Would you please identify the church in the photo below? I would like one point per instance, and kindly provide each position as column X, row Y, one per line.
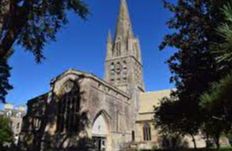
column 114, row 112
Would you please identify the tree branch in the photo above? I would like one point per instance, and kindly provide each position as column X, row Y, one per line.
column 18, row 19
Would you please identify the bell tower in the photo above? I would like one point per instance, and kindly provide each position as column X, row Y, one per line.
column 123, row 64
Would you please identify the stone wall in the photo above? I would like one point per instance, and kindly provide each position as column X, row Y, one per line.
column 96, row 97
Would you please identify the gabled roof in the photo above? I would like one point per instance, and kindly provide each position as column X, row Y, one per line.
column 90, row 76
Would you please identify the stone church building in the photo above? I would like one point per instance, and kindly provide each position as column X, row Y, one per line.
column 114, row 112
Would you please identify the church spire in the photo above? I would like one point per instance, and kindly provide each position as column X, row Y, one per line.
column 123, row 65
column 124, row 28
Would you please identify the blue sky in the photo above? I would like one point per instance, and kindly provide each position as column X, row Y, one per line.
column 82, row 45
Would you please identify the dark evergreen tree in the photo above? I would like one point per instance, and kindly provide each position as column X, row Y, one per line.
column 217, row 101
column 31, row 24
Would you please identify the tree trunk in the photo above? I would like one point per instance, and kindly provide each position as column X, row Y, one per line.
column 14, row 25
column 217, row 139
column 194, row 141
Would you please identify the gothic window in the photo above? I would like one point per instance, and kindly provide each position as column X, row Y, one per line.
column 112, row 69
column 112, row 66
column 68, row 109
column 36, row 123
column 146, row 132
column 133, row 136
column 124, row 70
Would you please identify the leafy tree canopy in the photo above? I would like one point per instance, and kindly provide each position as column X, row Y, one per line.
column 171, row 118
column 31, row 24
column 193, row 66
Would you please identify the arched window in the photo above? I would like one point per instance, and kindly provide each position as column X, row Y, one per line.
column 36, row 123
column 146, row 132
column 112, row 68
column 68, row 108
column 133, row 136
column 124, row 70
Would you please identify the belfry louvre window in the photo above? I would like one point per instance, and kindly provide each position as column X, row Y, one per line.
column 146, row 132
column 68, row 110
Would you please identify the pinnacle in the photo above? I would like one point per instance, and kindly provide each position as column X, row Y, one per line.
column 109, row 38
column 123, row 24
column 124, row 13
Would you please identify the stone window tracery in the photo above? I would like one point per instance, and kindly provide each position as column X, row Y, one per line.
column 68, row 109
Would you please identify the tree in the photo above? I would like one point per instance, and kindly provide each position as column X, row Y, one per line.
column 193, row 66
column 31, row 24
column 223, row 49
column 217, row 100
column 6, row 134
column 171, row 118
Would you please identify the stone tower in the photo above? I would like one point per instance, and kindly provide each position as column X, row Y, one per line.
column 123, row 65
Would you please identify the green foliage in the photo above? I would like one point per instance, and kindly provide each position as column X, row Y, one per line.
column 172, row 119
column 223, row 50
column 6, row 134
column 220, row 94
column 193, row 66
column 217, row 100
column 31, row 24
column 4, row 77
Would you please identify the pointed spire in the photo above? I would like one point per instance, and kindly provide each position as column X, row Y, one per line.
column 124, row 22
column 123, row 12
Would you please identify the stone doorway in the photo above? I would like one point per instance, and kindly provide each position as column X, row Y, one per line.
column 100, row 133
column 100, row 143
